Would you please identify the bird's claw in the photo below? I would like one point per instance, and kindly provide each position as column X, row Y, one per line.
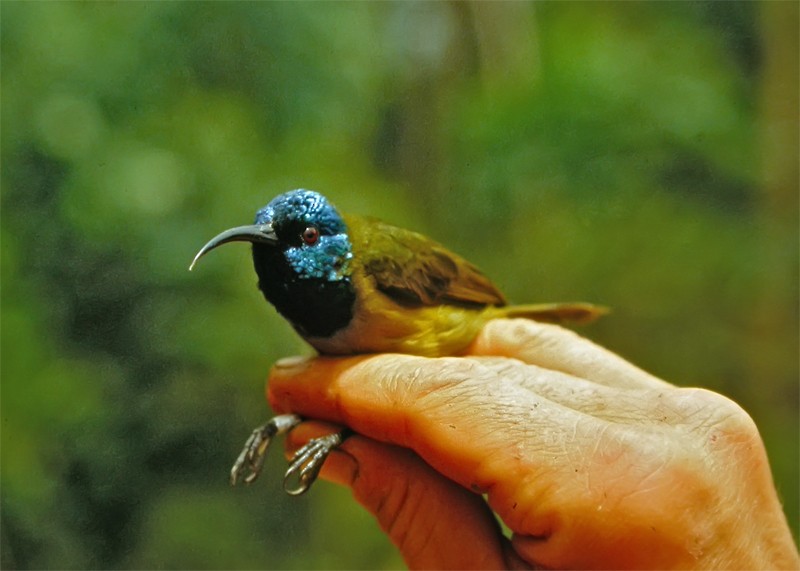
column 251, row 459
column 304, row 466
column 308, row 461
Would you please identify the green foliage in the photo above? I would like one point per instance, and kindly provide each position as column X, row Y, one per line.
column 629, row 154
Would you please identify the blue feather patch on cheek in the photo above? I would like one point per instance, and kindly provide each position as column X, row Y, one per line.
column 325, row 260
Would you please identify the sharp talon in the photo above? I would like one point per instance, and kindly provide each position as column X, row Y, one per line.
column 259, row 436
column 304, row 467
column 308, row 461
column 251, row 459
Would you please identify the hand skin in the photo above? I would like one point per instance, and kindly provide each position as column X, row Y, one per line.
column 590, row 461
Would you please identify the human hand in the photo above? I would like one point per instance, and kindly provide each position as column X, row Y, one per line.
column 591, row 462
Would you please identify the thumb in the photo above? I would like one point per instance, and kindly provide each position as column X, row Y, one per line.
column 434, row 522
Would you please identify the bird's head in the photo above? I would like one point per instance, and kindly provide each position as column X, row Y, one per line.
column 298, row 233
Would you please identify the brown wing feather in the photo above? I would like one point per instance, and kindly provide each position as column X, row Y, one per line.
column 414, row 270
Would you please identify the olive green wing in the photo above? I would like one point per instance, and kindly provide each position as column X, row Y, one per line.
column 414, row 270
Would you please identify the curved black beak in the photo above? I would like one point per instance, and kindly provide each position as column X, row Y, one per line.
column 256, row 233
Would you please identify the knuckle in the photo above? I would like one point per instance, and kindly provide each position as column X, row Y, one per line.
column 717, row 423
column 711, row 412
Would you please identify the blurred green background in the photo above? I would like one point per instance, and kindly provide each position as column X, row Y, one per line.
column 640, row 155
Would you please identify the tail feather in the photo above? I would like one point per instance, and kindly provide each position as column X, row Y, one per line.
column 578, row 312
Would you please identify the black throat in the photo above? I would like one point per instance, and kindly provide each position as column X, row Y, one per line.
column 314, row 307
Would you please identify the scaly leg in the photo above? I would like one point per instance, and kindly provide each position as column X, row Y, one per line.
column 308, row 461
column 255, row 449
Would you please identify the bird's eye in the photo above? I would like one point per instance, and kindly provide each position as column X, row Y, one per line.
column 310, row 235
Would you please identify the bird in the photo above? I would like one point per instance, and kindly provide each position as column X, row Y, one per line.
column 351, row 284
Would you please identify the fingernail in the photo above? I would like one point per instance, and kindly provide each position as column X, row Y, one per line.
column 296, row 362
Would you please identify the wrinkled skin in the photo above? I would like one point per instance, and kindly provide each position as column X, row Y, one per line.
column 590, row 461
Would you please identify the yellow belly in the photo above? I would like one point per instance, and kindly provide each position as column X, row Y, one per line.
column 382, row 326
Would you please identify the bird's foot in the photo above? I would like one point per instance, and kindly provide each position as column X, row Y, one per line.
column 307, row 462
column 252, row 457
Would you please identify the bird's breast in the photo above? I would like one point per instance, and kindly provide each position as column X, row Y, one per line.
column 380, row 325
column 316, row 306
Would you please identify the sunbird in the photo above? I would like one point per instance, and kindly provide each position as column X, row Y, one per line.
column 350, row 284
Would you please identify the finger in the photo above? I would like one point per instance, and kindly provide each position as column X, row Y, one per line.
column 641, row 406
column 435, row 523
column 559, row 349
